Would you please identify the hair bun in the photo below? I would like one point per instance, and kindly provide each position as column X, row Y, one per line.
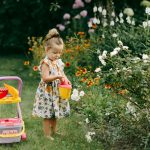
column 52, row 33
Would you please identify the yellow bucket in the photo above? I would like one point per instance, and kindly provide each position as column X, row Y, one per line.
column 64, row 92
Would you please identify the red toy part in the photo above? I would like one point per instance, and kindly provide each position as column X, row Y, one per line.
column 3, row 92
column 24, row 137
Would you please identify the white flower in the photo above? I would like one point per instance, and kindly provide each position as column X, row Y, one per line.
column 121, row 20
column 104, row 54
column 116, row 19
column 77, row 16
column 100, row 9
column 98, row 69
column 82, row 93
column 145, row 56
column 95, row 9
column 133, row 22
column 125, row 47
column 87, row 120
column 136, row 59
column 98, row 21
column 145, row 24
column 98, row 51
column 89, row 24
column 75, row 92
column 88, row 138
column 75, row 97
column 105, row 24
column 103, row 36
column 121, row 15
column 114, row 35
column 117, row 49
column 113, row 14
column 147, row 10
column 91, row 133
column 112, row 23
column 113, row 53
column 130, row 108
column 128, row 11
column 104, row 12
column 120, row 43
column 128, row 20
column 95, row 20
column 66, row 16
column 102, row 60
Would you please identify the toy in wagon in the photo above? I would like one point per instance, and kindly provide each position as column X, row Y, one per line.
column 11, row 129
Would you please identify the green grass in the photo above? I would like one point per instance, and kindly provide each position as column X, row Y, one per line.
column 73, row 132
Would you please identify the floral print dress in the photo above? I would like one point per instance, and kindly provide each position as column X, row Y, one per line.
column 48, row 103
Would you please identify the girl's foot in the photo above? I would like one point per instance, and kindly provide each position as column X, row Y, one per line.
column 57, row 133
column 49, row 137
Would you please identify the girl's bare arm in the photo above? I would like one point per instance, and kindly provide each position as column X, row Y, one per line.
column 46, row 76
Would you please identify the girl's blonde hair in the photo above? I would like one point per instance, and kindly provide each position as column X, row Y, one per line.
column 53, row 37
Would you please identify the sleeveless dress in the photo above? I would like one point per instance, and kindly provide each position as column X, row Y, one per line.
column 48, row 103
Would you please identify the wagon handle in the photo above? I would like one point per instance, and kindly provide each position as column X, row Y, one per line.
column 14, row 78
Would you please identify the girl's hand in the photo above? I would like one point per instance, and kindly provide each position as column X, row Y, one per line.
column 60, row 77
column 68, row 82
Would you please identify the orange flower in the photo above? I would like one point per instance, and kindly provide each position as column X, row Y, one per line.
column 78, row 73
column 84, row 70
column 83, row 79
column 68, row 50
column 67, row 64
column 30, row 49
column 77, row 47
column 35, row 68
column 86, row 45
column 107, row 86
column 80, row 33
column 90, row 83
column 122, row 92
column 97, row 80
column 94, row 26
column 26, row 63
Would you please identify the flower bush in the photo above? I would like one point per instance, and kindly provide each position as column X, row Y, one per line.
column 111, row 64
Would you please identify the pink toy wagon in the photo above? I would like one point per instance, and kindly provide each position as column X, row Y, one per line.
column 12, row 129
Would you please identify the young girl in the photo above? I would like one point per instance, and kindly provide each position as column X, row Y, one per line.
column 48, row 104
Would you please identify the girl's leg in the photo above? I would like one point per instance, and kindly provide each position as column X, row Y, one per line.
column 53, row 124
column 47, row 129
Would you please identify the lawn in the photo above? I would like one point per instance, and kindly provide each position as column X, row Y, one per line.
column 72, row 128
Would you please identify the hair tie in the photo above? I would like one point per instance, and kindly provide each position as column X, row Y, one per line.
column 53, row 36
